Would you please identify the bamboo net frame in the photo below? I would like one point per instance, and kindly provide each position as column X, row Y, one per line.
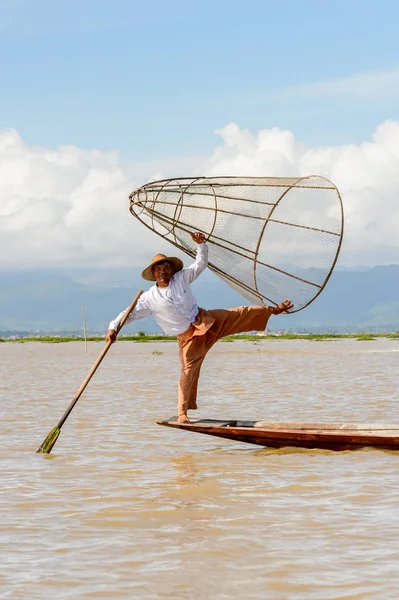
column 269, row 238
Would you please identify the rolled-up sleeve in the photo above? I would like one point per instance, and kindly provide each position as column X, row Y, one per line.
column 140, row 311
column 201, row 262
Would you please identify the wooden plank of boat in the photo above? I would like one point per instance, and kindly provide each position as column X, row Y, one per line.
column 277, row 434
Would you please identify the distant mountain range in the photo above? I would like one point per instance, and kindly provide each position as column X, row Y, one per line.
column 50, row 302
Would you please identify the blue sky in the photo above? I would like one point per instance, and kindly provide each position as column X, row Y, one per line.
column 98, row 97
column 157, row 79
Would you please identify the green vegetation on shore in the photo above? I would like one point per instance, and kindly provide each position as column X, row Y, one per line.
column 142, row 338
column 316, row 337
column 55, row 339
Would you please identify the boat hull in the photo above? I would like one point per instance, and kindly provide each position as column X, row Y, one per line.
column 275, row 434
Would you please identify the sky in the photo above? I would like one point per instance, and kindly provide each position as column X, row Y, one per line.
column 98, row 97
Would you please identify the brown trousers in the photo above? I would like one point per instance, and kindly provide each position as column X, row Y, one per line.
column 208, row 328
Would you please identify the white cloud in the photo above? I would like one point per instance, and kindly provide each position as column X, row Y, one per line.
column 365, row 86
column 69, row 207
column 367, row 175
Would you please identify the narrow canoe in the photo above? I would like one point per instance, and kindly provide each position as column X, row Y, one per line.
column 275, row 434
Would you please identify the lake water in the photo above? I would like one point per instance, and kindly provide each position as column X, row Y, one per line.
column 124, row 508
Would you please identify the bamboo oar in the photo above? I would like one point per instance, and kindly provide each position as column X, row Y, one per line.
column 52, row 437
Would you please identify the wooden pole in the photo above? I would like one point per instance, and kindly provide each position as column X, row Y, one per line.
column 84, row 326
column 52, row 437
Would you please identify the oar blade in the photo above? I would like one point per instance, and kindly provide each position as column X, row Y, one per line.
column 49, row 442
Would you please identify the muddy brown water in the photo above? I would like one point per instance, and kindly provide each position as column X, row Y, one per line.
column 124, row 508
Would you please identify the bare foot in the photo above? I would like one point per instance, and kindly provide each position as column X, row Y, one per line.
column 183, row 419
column 283, row 307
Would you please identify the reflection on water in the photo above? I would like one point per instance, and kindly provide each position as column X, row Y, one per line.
column 124, row 508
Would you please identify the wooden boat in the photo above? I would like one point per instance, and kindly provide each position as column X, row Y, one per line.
column 275, row 434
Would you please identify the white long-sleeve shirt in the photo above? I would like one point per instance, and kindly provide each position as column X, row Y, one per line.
column 174, row 307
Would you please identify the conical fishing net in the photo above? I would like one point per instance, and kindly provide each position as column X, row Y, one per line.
column 269, row 238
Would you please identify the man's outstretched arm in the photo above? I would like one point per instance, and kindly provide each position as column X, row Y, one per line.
column 201, row 261
column 140, row 311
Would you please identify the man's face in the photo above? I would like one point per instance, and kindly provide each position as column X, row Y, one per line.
column 163, row 272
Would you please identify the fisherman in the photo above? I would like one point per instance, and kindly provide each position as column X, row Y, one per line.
column 173, row 306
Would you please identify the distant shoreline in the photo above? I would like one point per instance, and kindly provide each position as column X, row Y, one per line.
column 140, row 339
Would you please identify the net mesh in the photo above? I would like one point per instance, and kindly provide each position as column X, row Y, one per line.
column 269, row 238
